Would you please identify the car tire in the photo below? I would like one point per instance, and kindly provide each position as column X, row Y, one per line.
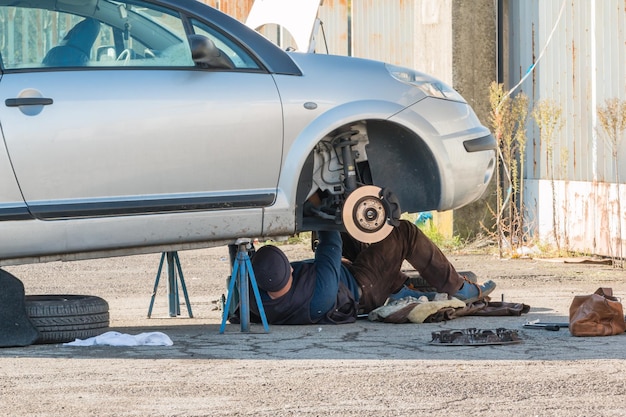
column 65, row 318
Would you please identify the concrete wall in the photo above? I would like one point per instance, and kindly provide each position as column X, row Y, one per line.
column 474, row 59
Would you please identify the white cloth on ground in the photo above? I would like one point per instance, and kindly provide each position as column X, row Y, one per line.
column 123, row 339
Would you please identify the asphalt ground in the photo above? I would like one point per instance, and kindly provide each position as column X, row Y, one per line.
column 361, row 369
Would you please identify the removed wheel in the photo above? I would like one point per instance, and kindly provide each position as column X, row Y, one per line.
column 365, row 216
column 64, row 318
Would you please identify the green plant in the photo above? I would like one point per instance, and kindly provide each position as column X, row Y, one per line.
column 444, row 243
column 612, row 117
column 508, row 120
column 547, row 115
column 433, row 233
column 300, row 238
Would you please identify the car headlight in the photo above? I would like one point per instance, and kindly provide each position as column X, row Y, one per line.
column 429, row 85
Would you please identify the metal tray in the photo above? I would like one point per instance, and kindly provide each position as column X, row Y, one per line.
column 475, row 337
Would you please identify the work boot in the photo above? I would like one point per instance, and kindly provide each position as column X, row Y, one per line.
column 471, row 292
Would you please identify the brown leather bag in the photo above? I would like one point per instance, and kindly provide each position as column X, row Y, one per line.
column 598, row 314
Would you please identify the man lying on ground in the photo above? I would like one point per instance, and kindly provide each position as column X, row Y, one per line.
column 332, row 288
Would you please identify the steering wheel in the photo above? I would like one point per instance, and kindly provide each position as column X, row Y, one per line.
column 124, row 56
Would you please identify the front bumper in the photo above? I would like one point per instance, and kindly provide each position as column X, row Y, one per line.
column 463, row 150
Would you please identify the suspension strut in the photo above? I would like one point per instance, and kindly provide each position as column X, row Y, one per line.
column 348, row 156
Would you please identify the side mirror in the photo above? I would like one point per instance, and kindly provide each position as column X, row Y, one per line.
column 205, row 54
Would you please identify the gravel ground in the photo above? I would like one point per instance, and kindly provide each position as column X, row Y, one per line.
column 361, row 369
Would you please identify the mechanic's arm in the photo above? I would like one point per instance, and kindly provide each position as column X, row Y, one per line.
column 328, row 253
column 328, row 256
column 328, row 272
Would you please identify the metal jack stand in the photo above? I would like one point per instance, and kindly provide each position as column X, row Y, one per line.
column 243, row 275
column 172, row 284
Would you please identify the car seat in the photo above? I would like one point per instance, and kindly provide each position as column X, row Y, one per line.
column 75, row 48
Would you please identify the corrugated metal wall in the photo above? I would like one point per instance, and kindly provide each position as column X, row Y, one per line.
column 416, row 34
column 238, row 9
column 383, row 31
column 583, row 65
column 412, row 33
column 335, row 36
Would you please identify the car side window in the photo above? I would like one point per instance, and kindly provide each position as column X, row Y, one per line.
column 109, row 34
column 28, row 34
column 146, row 35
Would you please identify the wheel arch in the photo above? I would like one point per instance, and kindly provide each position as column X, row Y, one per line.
column 296, row 173
column 398, row 157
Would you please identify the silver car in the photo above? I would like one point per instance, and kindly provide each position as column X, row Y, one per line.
column 158, row 125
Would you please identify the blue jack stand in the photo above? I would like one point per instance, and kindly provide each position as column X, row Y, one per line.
column 243, row 275
column 173, row 264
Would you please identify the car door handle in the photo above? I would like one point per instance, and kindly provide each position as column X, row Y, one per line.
column 27, row 101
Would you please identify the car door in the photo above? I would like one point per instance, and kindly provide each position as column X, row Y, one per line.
column 12, row 206
column 139, row 128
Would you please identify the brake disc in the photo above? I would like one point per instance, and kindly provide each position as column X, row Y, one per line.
column 364, row 215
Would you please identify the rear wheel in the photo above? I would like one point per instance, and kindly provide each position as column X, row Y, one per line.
column 64, row 318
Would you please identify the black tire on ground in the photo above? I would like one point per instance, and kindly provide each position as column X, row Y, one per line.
column 64, row 318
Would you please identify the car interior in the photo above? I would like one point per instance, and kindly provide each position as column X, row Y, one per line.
column 75, row 48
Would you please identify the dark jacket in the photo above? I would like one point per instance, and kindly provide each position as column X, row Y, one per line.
column 294, row 306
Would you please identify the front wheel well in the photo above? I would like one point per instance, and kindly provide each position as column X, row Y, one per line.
column 402, row 161
column 396, row 158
